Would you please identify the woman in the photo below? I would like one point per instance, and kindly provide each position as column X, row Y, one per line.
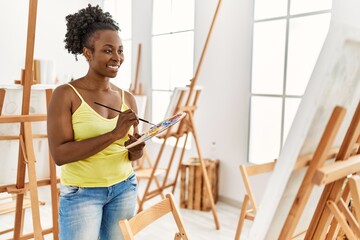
column 98, row 185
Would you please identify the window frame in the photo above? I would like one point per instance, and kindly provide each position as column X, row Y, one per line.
column 284, row 96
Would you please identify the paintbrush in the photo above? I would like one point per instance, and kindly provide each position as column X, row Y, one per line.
column 116, row 110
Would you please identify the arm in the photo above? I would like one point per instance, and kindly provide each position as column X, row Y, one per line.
column 62, row 146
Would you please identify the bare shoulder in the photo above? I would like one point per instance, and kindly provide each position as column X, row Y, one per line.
column 62, row 93
column 62, row 89
column 129, row 98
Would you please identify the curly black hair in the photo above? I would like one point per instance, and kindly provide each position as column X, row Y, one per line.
column 82, row 25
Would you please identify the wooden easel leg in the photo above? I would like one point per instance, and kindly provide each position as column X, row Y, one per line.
column 54, row 199
column 2, row 97
column 170, row 163
column 324, row 216
column 203, row 168
column 333, row 230
column 32, row 181
column 20, row 184
column 354, row 184
column 341, row 220
column 180, row 162
column 19, row 216
column 334, row 225
column 157, row 182
column 144, row 198
column 350, row 219
column 342, row 212
column 53, row 183
column 148, row 160
column 27, row 156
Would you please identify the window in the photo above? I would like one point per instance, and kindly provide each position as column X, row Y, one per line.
column 172, row 51
column 121, row 12
column 287, row 39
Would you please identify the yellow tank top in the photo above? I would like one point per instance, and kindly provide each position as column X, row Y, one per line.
column 105, row 168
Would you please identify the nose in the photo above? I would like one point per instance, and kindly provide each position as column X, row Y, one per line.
column 118, row 57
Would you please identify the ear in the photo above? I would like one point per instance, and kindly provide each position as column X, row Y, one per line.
column 87, row 53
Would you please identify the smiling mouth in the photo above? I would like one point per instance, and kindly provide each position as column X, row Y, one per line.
column 116, row 67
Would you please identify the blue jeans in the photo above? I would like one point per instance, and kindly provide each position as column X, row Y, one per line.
column 94, row 213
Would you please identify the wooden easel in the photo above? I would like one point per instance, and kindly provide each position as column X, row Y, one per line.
column 186, row 126
column 136, row 88
column 317, row 173
column 347, row 163
column 142, row 171
column 335, row 194
column 153, row 171
column 252, row 170
column 26, row 159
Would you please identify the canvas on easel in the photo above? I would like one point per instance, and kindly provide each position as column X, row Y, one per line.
column 334, row 82
column 178, row 98
column 9, row 131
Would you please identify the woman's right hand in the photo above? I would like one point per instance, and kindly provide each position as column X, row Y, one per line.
column 126, row 119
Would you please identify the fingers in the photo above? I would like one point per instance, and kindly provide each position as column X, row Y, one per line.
column 134, row 138
column 131, row 117
column 137, row 135
column 125, row 120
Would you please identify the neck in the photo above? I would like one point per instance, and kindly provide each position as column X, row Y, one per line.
column 94, row 83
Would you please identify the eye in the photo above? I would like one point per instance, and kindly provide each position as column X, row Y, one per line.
column 120, row 51
column 109, row 51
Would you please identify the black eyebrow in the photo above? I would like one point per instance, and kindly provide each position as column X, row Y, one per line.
column 109, row 45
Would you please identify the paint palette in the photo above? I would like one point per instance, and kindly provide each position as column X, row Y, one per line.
column 158, row 128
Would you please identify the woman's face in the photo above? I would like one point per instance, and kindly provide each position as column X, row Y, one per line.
column 107, row 55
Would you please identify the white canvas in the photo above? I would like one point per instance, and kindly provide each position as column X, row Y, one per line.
column 335, row 81
column 10, row 148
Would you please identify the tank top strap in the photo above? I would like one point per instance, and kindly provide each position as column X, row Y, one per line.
column 77, row 93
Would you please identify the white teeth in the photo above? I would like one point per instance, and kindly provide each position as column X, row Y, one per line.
column 114, row 67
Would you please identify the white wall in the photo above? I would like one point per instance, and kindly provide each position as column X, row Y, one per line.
column 222, row 115
column 49, row 40
column 13, row 27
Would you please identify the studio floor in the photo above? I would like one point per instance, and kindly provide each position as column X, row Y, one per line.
column 199, row 225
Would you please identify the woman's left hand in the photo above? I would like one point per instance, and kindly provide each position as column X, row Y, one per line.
column 135, row 152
